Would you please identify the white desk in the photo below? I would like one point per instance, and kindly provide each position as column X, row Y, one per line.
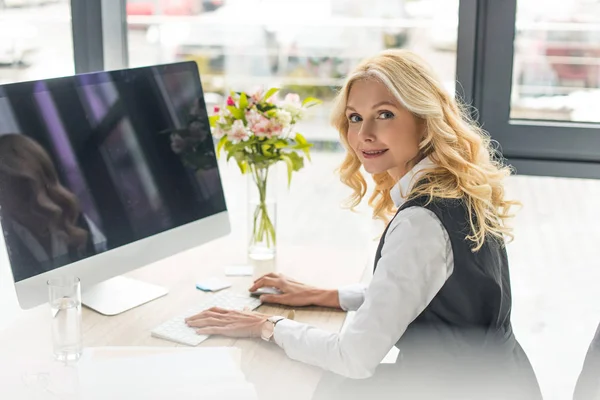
column 264, row 364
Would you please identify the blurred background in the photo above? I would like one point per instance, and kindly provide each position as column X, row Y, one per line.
column 309, row 45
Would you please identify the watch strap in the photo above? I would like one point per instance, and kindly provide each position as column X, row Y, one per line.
column 274, row 320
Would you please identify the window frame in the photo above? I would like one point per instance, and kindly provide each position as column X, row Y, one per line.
column 99, row 35
column 536, row 147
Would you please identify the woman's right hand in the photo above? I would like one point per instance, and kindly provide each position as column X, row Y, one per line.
column 294, row 293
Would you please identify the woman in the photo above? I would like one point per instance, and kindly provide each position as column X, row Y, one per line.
column 43, row 225
column 440, row 289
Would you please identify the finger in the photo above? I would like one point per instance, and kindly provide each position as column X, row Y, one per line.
column 219, row 310
column 212, row 330
column 260, row 282
column 276, row 299
column 204, row 322
column 269, row 275
column 208, row 313
column 269, row 282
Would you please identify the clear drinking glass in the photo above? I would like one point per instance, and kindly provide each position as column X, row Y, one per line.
column 65, row 304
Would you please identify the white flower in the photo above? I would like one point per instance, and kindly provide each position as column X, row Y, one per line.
column 293, row 99
column 297, row 113
column 284, row 117
column 238, row 132
column 293, row 105
column 218, row 132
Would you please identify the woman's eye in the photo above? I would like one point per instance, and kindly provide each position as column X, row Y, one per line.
column 354, row 118
column 386, row 115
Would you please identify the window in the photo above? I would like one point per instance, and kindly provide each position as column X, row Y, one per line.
column 35, row 39
column 306, row 46
column 556, row 73
column 538, row 86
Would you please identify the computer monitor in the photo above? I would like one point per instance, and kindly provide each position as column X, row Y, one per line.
column 104, row 173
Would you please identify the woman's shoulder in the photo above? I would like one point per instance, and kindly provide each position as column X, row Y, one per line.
column 451, row 213
column 416, row 218
column 436, row 204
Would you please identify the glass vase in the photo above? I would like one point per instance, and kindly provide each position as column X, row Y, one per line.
column 262, row 212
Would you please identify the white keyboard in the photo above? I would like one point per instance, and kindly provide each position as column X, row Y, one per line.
column 176, row 329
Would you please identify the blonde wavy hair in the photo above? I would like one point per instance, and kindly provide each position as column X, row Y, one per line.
column 467, row 166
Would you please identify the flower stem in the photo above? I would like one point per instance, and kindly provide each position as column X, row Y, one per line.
column 263, row 229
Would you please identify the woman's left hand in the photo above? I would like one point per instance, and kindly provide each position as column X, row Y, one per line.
column 218, row 321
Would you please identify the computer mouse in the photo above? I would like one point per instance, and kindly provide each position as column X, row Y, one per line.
column 265, row 290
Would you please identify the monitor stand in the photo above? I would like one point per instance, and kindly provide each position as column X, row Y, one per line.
column 119, row 294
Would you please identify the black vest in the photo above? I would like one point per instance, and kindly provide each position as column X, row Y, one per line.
column 466, row 328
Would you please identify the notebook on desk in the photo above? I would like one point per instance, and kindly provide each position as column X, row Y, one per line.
column 128, row 373
column 159, row 373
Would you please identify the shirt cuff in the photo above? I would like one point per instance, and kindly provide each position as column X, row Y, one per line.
column 284, row 330
column 351, row 297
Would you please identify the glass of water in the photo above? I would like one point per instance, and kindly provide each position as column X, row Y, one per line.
column 65, row 305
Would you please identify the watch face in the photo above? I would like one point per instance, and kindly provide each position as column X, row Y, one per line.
column 267, row 330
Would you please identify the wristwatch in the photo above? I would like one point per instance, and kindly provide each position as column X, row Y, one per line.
column 268, row 328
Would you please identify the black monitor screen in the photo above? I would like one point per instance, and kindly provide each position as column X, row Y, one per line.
column 96, row 161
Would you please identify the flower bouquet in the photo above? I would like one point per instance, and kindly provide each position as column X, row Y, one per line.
column 257, row 130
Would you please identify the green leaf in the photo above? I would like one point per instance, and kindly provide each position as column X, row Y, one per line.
column 307, row 152
column 266, row 150
column 300, row 139
column 243, row 101
column 243, row 165
column 220, row 145
column 270, row 93
column 290, row 167
column 236, row 112
column 297, row 161
column 238, row 147
column 213, row 120
column 303, row 145
column 264, row 107
column 311, row 101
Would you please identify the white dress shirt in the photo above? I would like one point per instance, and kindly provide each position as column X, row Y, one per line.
column 416, row 260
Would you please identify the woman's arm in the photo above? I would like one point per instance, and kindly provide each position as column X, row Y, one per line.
column 415, row 263
column 351, row 297
column 294, row 293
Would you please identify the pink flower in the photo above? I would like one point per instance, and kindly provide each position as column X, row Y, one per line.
column 216, row 109
column 238, row 132
column 230, row 101
column 265, row 127
column 276, row 130
column 262, row 128
column 256, row 95
column 253, row 117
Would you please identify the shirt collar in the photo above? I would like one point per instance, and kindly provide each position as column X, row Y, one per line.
column 402, row 188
